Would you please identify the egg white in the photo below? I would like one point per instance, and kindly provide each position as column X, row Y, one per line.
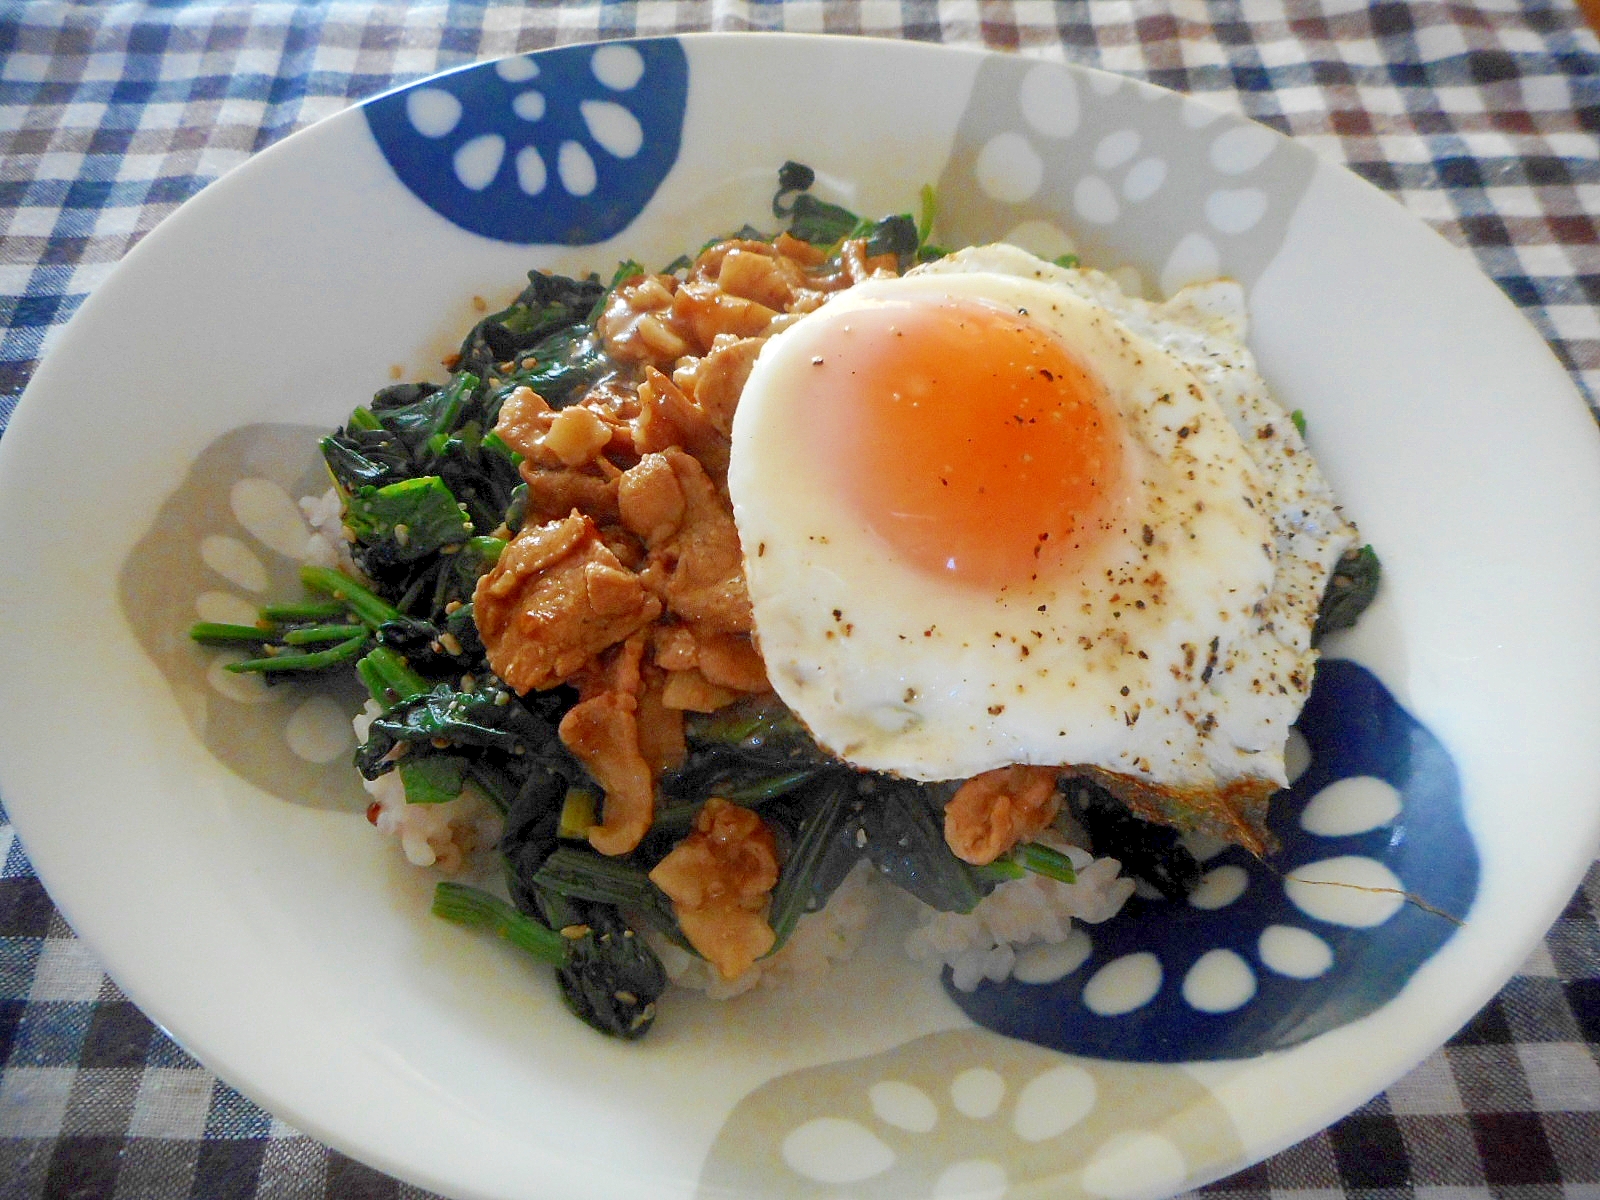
column 1176, row 653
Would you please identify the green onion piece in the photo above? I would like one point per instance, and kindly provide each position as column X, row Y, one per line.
column 312, row 661
column 477, row 909
column 216, row 633
column 577, row 814
column 1299, row 419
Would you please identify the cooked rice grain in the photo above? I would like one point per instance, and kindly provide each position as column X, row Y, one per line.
column 431, row 835
column 1032, row 911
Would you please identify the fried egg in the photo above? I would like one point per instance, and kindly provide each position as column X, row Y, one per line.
column 995, row 511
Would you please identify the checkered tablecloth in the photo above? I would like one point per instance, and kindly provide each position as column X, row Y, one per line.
column 1481, row 117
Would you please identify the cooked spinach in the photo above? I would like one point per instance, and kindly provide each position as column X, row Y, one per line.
column 821, row 851
column 824, row 224
column 899, row 826
column 611, row 979
column 1352, row 587
column 491, row 717
column 608, row 976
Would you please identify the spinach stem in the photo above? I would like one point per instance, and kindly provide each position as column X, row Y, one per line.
column 217, row 633
column 587, row 876
column 310, row 635
column 367, row 605
column 477, row 909
column 306, row 610
column 311, row 661
column 389, row 680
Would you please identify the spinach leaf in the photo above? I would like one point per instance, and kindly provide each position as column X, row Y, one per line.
column 899, row 826
column 549, row 305
column 360, row 458
column 560, row 368
column 489, row 718
column 819, row 857
column 406, row 521
column 823, row 224
column 434, row 779
column 895, row 235
column 1350, row 590
column 748, row 752
column 611, row 979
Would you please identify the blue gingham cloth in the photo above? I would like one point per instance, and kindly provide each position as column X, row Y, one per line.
column 1482, row 119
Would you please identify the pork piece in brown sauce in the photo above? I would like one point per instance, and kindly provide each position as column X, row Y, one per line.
column 720, row 881
column 623, row 733
column 556, row 599
column 693, row 560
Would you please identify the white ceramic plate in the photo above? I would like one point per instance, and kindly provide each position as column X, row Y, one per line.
column 289, row 947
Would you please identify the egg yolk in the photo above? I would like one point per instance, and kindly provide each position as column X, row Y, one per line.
column 967, row 437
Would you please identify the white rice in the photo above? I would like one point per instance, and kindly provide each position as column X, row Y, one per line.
column 326, row 547
column 430, row 835
column 1017, row 916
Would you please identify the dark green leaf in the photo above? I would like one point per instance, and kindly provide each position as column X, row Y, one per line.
column 562, row 368
column 433, row 779
column 792, row 177
column 818, row 858
column 489, row 718
column 895, row 235
column 821, row 223
column 612, row 979
column 1350, row 590
column 403, row 522
column 899, row 825
column 549, row 305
